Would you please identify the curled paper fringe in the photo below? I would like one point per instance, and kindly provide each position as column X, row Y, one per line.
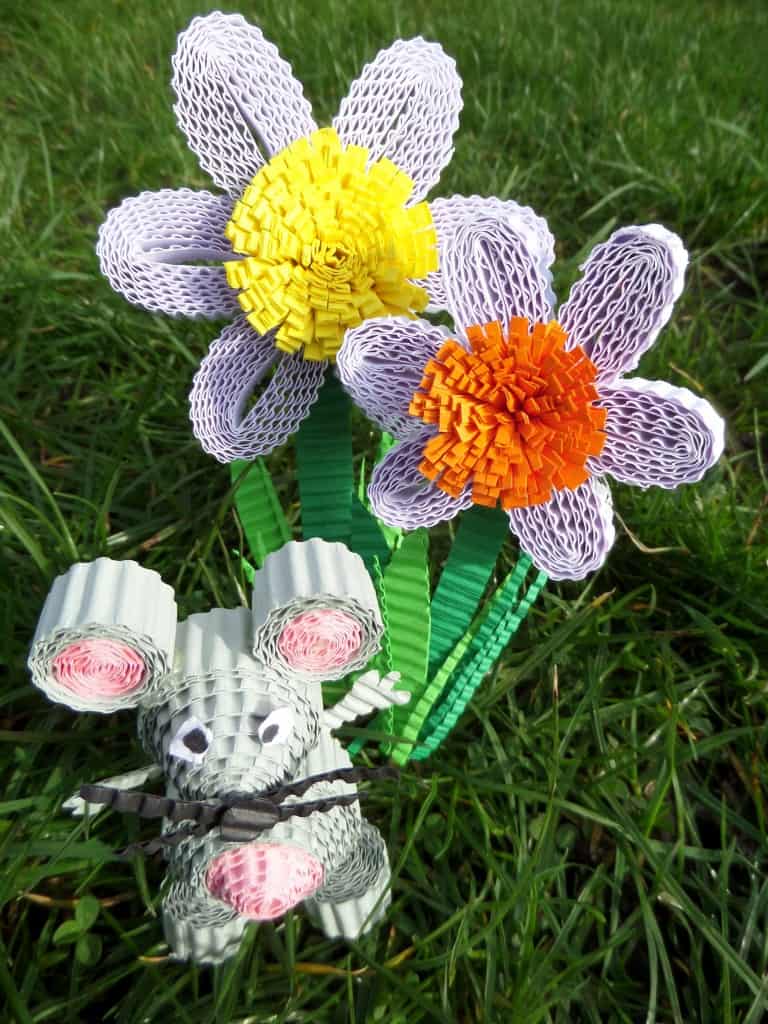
column 515, row 414
column 116, row 602
column 327, row 241
column 313, row 576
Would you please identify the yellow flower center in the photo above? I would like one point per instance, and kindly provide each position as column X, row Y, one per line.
column 515, row 415
column 327, row 242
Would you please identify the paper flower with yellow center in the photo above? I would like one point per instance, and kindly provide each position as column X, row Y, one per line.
column 320, row 229
column 328, row 242
column 513, row 408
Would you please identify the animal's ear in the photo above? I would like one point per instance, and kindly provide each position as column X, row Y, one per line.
column 315, row 613
column 105, row 636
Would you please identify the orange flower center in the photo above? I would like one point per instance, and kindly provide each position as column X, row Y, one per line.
column 515, row 415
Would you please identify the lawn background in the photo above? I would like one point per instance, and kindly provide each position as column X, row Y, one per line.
column 589, row 845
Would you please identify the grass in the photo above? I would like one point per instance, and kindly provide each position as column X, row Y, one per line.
column 590, row 844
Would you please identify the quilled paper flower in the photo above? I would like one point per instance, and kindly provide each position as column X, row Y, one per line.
column 320, row 229
column 518, row 408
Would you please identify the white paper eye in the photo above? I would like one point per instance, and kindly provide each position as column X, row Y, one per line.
column 276, row 727
column 191, row 741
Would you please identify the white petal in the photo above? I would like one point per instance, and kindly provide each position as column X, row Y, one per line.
column 237, row 100
column 405, row 106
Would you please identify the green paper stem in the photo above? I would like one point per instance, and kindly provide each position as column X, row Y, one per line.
column 264, row 524
column 324, row 465
column 505, row 616
column 367, row 538
column 421, row 707
column 406, row 597
column 471, row 562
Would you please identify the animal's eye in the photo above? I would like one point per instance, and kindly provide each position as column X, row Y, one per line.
column 276, row 727
column 191, row 741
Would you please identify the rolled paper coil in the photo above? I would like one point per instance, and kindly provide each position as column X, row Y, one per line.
column 315, row 612
column 357, row 895
column 263, row 881
column 105, row 636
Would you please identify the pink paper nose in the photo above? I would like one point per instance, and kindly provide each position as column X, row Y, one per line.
column 262, row 881
column 98, row 668
column 322, row 639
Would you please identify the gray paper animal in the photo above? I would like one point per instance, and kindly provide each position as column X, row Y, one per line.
column 261, row 807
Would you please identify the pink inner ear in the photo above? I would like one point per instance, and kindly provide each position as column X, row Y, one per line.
column 99, row 668
column 319, row 640
column 261, row 881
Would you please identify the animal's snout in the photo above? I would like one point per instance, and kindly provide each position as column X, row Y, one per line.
column 261, row 881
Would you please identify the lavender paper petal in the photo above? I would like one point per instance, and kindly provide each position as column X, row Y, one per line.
column 625, row 297
column 658, row 434
column 457, row 211
column 381, row 364
column 401, row 496
column 237, row 100
column 148, row 247
column 569, row 536
column 236, row 362
column 405, row 106
column 492, row 270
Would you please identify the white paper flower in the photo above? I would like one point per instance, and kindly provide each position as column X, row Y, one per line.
column 318, row 230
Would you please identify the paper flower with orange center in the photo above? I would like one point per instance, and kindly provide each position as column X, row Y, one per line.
column 515, row 415
column 319, row 229
column 525, row 411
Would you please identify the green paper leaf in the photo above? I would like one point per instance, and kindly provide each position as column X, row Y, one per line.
column 505, row 613
column 324, row 465
column 476, row 547
column 264, row 524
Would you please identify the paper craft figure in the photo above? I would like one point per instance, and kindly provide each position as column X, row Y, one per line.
column 261, row 804
column 513, row 408
column 319, row 230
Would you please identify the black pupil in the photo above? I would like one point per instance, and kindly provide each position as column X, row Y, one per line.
column 195, row 741
column 269, row 733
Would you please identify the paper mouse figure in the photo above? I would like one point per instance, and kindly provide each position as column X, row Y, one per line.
column 261, row 807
